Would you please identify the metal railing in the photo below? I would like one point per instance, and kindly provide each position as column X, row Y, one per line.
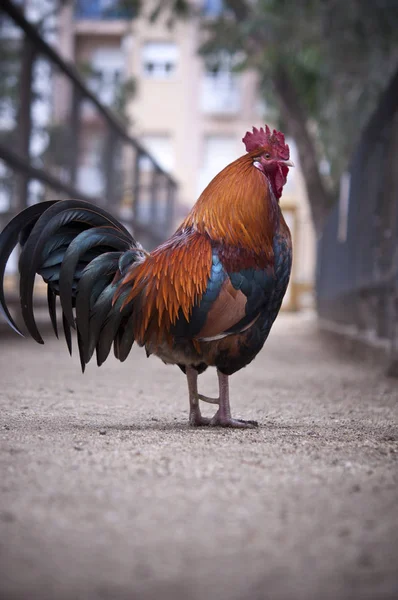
column 357, row 278
column 57, row 140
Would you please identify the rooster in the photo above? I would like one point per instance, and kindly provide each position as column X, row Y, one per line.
column 208, row 296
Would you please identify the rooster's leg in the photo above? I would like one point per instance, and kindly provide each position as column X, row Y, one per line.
column 223, row 418
column 195, row 417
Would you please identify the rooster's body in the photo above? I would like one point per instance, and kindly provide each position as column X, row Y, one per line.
column 206, row 297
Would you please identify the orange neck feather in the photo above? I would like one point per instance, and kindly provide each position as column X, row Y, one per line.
column 237, row 208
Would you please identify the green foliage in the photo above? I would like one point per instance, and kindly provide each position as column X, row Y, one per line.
column 172, row 8
column 339, row 56
column 130, row 8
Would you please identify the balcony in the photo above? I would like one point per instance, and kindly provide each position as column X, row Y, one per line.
column 97, row 10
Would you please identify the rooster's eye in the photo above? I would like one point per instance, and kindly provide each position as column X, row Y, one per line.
column 267, row 155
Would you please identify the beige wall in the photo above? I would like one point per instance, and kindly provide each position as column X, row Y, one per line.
column 173, row 105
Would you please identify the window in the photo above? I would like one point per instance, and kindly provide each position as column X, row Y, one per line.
column 108, row 70
column 159, row 60
column 220, row 89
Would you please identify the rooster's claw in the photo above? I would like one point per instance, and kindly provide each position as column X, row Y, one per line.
column 196, row 419
column 218, row 421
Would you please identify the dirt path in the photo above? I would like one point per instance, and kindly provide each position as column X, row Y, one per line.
column 105, row 492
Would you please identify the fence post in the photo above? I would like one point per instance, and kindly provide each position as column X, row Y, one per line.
column 136, row 185
column 153, row 208
column 170, row 204
column 73, row 135
column 110, row 171
column 24, row 126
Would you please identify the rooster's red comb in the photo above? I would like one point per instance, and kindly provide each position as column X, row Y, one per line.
column 260, row 138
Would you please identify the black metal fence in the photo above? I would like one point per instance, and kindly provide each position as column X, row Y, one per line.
column 49, row 123
column 357, row 278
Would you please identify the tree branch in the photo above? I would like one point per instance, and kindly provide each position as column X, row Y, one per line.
column 295, row 117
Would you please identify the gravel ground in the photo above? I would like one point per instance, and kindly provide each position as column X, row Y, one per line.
column 106, row 493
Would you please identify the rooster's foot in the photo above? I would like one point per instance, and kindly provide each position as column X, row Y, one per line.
column 196, row 419
column 225, row 421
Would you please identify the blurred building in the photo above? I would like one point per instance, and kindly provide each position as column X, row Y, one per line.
column 190, row 115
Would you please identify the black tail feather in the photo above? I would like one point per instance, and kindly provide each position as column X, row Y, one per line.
column 67, row 333
column 81, row 352
column 109, row 333
column 106, row 237
column 9, row 238
column 50, row 222
column 52, row 308
column 81, row 252
column 98, row 317
column 124, row 340
column 95, row 279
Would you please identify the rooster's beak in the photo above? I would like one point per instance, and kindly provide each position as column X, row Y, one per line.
column 287, row 163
